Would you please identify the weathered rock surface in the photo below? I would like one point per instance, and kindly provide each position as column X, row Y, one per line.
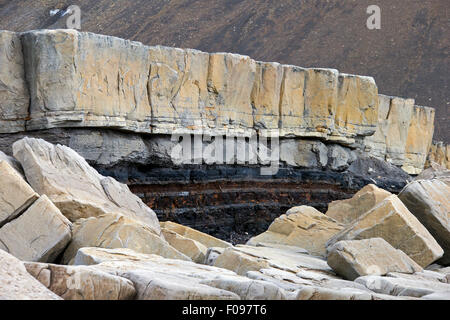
column 12, row 162
column 77, row 189
column 17, row 284
column 429, row 201
column 118, row 231
column 303, row 227
column 81, row 282
column 435, row 171
column 158, row 278
column 15, row 194
column 402, row 287
column 393, row 222
column 40, row 234
column 189, row 247
column 205, row 239
column 440, row 154
column 345, row 211
column 14, row 96
column 352, row 259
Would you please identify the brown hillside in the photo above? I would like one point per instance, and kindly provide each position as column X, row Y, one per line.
column 408, row 57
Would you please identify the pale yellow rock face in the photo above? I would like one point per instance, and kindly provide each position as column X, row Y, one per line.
column 40, row 234
column 346, row 211
column 14, row 96
column 17, row 284
column 15, row 194
column 419, row 139
column 440, row 154
column 266, row 96
column 393, row 222
column 230, row 85
column 191, row 248
column 93, row 80
column 308, row 101
column 303, row 227
column 375, row 256
column 81, row 282
column 357, row 106
column 205, row 239
column 178, row 89
column 118, row 231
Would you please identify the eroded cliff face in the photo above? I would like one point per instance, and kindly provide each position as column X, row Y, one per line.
column 117, row 103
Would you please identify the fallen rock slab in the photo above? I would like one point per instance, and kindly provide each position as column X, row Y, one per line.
column 429, row 201
column 118, row 231
column 15, row 194
column 352, row 259
column 158, row 278
column 76, row 188
column 345, row 211
column 40, row 234
column 187, row 232
column 17, row 284
column 304, row 227
column 393, row 222
column 191, row 248
column 402, row 287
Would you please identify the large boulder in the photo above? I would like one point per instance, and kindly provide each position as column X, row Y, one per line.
column 393, row 222
column 429, row 201
column 118, row 231
column 81, row 282
column 191, row 248
column 17, row 284
column 303, row 227
column 352, row 259
column 40, row 234
column 345, row 211
column 15, row 194
column 76, row 188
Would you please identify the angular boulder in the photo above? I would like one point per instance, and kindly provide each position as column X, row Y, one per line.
column 76, row 188
column 429, row 201
column 15, row 194
column 191, row 248
column 352, row 259
column 81, row 282
column 303, row 227
column 393, row 222
column 345, row 211
column 40, row 234
column 17, row 284
column 117, row 231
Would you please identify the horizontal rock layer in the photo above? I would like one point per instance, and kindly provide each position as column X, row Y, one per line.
column 78, row 79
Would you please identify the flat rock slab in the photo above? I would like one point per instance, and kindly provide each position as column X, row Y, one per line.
column 76, row 188
column 40, row 234
column 303, row 227
column 429, row 201
column 118, row 231
column 345, row 211
column 158, row 278
column 15, row 194
column 401, row 286
column 355, row 258
column 81, row 282
column 393, row 222
column 17, row 284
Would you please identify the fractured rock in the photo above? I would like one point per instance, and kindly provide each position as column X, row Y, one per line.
column 345, row 211
column 17, row 284
column 429, row 201
column 191, row 248
column 81, row 282
column 40, row 234
column 15, row 194
column 375, row 256
column 76, row 188
column 118, row 231
column 393, row 222
column 303, row 227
